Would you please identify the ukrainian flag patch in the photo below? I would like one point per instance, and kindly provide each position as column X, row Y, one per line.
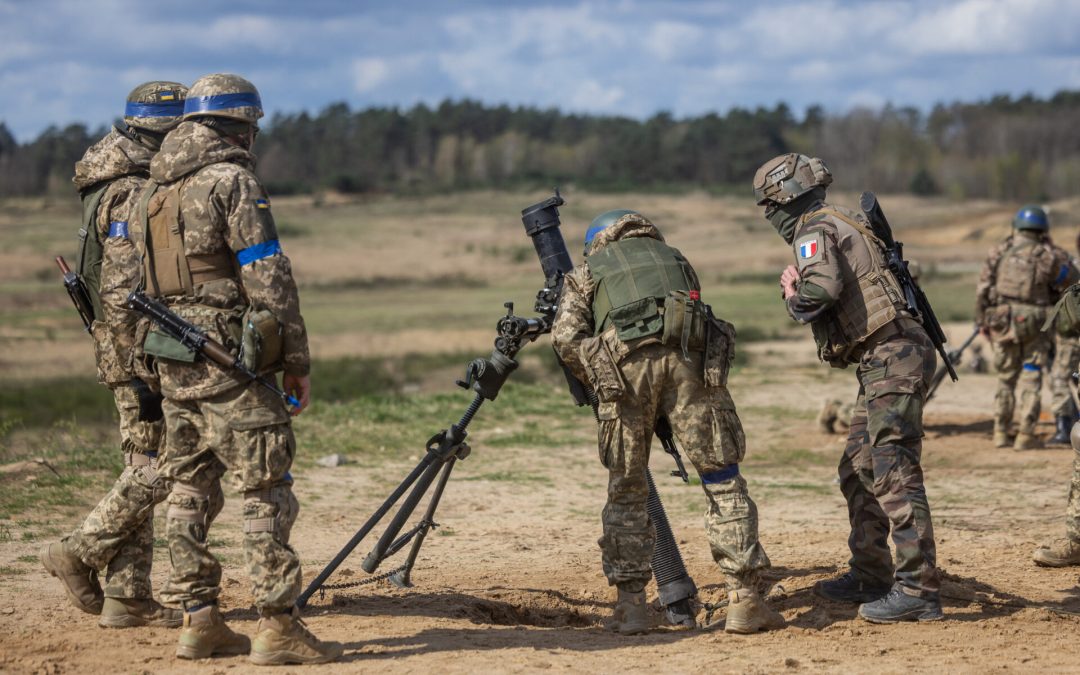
column 167, row 96
column 262, row 204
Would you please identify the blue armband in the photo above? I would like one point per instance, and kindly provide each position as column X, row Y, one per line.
column 118, row 228
column 725, row 474
column 258, row 252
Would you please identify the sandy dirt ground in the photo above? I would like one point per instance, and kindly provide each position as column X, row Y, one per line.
column 511, row 580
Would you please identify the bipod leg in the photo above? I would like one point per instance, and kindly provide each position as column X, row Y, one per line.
column 673, row 582
column 317, row 582
column 401, row 579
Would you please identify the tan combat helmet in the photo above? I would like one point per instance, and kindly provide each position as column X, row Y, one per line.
column 787, row 177
column 224, row 95
column 155, row 106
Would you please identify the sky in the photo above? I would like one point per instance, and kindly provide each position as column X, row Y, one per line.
column 65, row 61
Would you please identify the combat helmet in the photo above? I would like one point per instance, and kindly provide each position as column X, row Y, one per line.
column 155, row 106
column 224, row 95
column 1031, row 217
column 785, row 178
column 604, row 221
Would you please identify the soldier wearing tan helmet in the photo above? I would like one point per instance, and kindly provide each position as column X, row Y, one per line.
column 212, row 254
column 118, row 535
column 1022, row 277
column 842, row 288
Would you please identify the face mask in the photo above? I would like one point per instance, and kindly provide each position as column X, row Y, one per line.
column 784, row 217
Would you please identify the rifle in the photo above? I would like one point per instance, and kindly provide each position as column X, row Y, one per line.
column 196, row 339
column 76, row 288
column 953, row 357
column 485, row 378
column 918, row 306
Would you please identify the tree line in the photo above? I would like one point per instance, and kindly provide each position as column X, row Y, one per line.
column 1003, row 148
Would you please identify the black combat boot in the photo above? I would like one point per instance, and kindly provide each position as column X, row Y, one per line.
column 899, row 606
column 849, row 588
column 1064, row 427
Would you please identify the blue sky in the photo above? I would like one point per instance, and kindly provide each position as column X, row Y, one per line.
column 68, row 61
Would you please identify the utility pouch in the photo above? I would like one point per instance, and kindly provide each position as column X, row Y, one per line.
column 999, row 322
column 1065, row 316
column 600, row 366
column 637, row 319
column 261, row 341
column 1028, row 321
column 684, row 322
column 165, row 346
column 719, row 351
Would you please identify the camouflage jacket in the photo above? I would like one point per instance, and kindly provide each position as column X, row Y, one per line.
column 125, row 165
column 1051, row 272
column 574, row 319
column 224, row 209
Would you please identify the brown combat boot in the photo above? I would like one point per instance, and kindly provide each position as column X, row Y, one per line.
column 206, row 634
column 1058, row 553
column 79, row 579
column 1026, row 441
column 283, row 638
column 132, row 612
column 748, row 613
column 1002, row 439
column 631, row 615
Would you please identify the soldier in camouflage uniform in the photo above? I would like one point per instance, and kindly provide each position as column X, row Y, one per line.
column 842, row 288
column 1022, row 277
column 1066, row 362
column 118, row 535
column 211, row 253
column 631, row 324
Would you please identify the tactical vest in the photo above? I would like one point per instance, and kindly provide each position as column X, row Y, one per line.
column 1021, row 275
column 88, row 266
column 863, row 307
column 643, row 288
column 167, row 269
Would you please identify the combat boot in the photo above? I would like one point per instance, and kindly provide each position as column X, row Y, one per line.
column 1064, row 428
column 899, row 606
column 849, row 588
column 132, row 612
column 283, row 638
column 748, row 613
column 206, row 634
column 1026, row 441
column 1058, row 553
column 631, row 616
column 1002, row 438
column 79, row 579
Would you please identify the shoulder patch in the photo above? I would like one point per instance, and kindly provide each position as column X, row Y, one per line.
column 262, row 204
column 809, row 249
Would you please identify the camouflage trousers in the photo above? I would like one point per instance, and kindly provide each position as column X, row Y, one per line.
column 118, row 534
column 1072, row 510
column 880, row 472
column 658, row 381
column 1066, row 359
column 247, row 431
column 1019, row 365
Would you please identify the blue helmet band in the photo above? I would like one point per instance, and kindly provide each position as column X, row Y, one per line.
column 198, row 104
column 591, row 233
column 1034, row 217
column 168, row 109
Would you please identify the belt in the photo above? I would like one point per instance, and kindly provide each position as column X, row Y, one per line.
column 895, row 327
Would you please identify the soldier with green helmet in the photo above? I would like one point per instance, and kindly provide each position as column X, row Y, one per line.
column 211, row 253
column 118, row 535
column 631, row 324
column 841, row 286
column 1022, row 277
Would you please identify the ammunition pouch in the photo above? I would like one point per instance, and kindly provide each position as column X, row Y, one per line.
column 1027, row 321
column 998, row 320
column 164, row 346
column 261, row 347
column 638, row 319
column 1065, row 316
column 685, row 323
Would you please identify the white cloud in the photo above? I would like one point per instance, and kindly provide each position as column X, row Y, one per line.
column 369, row 73
column 590, row 95
column 670, row 40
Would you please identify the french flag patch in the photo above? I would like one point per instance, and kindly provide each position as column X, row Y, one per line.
column 808, row 249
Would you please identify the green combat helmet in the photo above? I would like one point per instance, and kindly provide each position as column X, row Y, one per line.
column 1031, row 217
column 155, row 106
column 604, row 221
column 224, row 95
column 787, row 177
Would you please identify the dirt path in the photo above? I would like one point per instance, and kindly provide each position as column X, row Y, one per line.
column 512, row 582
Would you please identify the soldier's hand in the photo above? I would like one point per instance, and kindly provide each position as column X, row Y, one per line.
column 300, row 387
column 788, row 279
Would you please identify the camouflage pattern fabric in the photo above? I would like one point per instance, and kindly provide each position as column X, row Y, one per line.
column 880, row 472
column 1019, row 365
column 245, row 431
column 636, row 384
column 1066, row 360
column 1072, row 511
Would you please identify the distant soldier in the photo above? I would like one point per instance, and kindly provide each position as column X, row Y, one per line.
column 843, row 289
column 631, row 324
column 1022, row 277
column 118, row 535
column 212, row 255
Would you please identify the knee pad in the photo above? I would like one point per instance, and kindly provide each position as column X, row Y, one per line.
column 189, row 503
column 273, row 509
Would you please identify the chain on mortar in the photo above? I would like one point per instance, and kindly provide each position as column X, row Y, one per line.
column 361, row 582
